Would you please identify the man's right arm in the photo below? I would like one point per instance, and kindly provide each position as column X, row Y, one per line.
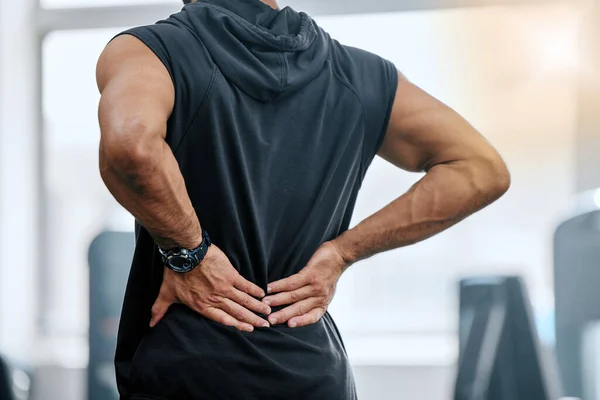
column 464, row 174
column 136, row 163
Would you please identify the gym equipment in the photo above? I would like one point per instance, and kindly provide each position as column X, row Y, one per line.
column 576, row 277
column 500, row 353
column 15, row 380
column 110, row 257
column 6, row 386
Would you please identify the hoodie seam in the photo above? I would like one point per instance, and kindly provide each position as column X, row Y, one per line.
column 364, row 112
column 281, row 79
column 284, row 71
column 197, row 112
column 281, row 76
column 286, row 66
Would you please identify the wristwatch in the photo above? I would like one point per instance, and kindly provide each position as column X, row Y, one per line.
column 185, row 260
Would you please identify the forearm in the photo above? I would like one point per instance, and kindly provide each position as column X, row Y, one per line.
column 446, row 195
column 149, row 184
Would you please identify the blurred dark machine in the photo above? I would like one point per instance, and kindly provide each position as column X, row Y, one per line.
column 110, row 257
column 6, row 386
column 500, row 353
column 15, row 380
column 577, row 289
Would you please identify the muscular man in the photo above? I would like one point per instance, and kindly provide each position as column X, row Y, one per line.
column 238, row 135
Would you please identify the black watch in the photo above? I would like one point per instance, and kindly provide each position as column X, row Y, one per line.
column 186, row 260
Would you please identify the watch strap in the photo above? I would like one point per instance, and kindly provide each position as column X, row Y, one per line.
column 200, row 252
column 194, row 256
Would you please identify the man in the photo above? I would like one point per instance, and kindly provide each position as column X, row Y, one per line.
column 238, row 135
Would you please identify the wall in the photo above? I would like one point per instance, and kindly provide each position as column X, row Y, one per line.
column 588, row 129
column 19, row 178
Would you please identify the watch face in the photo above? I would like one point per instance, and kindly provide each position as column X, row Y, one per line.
column 179, row 263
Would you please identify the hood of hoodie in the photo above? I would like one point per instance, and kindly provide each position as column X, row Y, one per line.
column 266, row 53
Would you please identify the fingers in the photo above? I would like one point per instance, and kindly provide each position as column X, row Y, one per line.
column 295, row 310
column 248, row 287
column 160, row 308
column 286, row 298
column 249, row 302
column 292, row 283
column 312, row 317
column 222, row 317
column 243, row 315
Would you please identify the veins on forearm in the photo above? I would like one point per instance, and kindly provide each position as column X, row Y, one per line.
column 147, row 194
column 428, row 208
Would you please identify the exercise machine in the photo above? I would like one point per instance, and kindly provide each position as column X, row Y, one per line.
column 501, row 357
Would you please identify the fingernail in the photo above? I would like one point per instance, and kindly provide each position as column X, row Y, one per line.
column 268, row 311
column 262, row 294
column 273, row 321
column 293, row 324
column 269, row 289
column 268, row 302
column 266, row 325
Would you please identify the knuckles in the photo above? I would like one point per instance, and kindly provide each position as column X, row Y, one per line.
column 199, row 305
column 213, row 299
column 319, row 288
column 314, row 281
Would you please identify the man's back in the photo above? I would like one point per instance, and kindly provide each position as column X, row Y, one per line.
column 274, row 126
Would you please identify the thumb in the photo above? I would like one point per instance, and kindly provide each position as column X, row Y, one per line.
column 160, row 308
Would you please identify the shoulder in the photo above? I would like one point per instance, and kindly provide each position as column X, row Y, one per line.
column 162, row 38
column 168, row 42
column 165, row 32
column 123, row 53
column 123, row 47
column 144, row 40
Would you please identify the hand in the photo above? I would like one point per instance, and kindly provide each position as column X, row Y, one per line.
column 215, row 290
column 310, row 291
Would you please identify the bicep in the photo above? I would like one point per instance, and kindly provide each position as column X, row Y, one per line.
column 424, row 132
column 137, row 93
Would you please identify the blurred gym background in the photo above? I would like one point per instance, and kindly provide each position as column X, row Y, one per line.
column 418, row 322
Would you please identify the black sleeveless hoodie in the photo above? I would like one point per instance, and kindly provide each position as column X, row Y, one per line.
column 274, row 127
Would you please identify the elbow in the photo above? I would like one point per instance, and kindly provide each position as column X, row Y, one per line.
column 495, row 177
column 504, row 181
column 126, row 148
